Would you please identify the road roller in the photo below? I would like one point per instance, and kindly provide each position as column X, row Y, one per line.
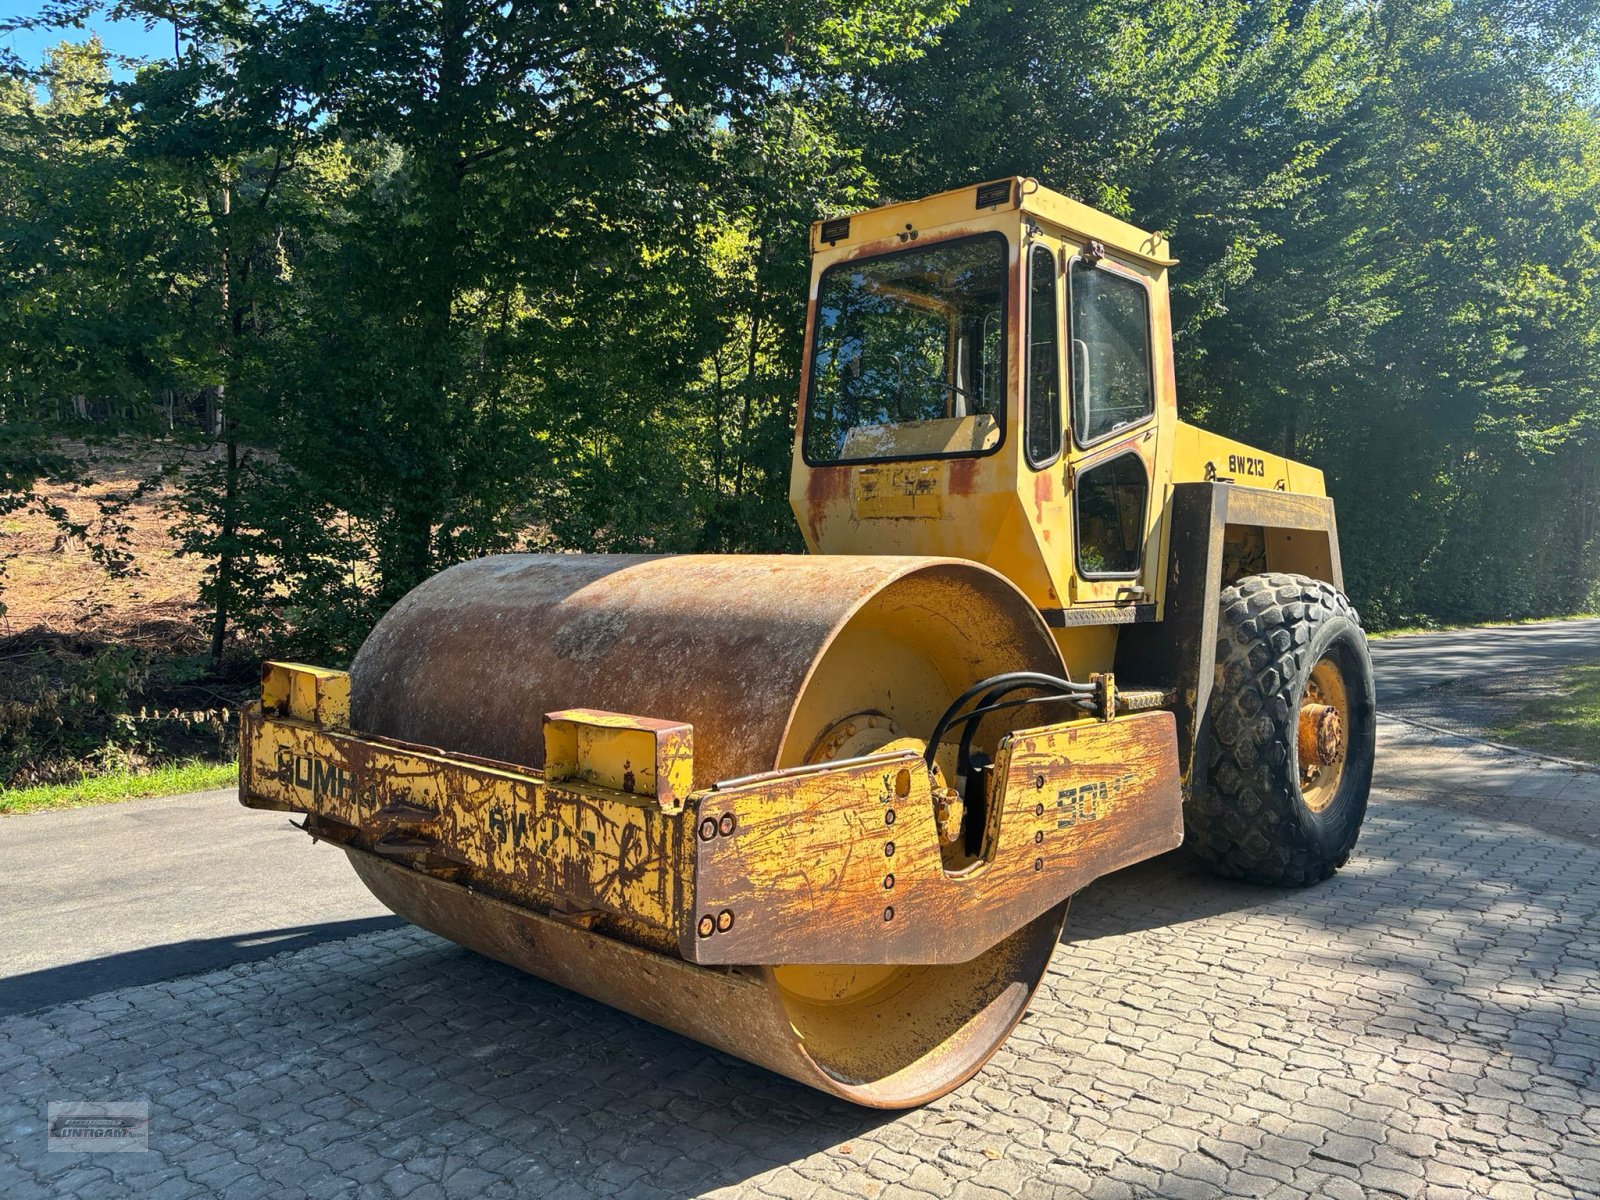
column 825, row 811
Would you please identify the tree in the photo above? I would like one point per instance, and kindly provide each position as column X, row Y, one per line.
column 457, row 277
column 1387, row 225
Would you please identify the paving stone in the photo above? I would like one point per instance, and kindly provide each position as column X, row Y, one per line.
column 1340, row 1147
column 1420, row 1025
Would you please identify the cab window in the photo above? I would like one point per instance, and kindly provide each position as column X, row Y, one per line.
column 1112, row 497
column 908, row 354
column 1043, row 442
column 1111, row 386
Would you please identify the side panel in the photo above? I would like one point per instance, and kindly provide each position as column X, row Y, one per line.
column 1200, row 456
column 1179, row 653
column 572, row 849
column 843, row 865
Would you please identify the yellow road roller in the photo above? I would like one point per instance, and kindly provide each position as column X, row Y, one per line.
column 825, row 811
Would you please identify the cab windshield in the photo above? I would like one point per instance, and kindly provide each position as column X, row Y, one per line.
column 908, row 354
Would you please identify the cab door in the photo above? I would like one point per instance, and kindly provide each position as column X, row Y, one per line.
column 1042, row 485
column 1113, row 431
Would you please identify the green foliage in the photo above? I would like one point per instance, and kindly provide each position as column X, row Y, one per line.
column 436, row 279
column 1388, row 224
column 70, row 704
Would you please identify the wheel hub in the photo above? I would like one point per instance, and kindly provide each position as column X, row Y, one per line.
column 1321, row 737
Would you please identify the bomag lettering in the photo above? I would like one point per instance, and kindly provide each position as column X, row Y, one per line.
column 315, row 775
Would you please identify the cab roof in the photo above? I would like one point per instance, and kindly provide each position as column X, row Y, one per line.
column 961, row 205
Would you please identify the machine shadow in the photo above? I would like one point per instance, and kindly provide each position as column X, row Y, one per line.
column 153, row 964
column 455, row 1051
column 1157, row 893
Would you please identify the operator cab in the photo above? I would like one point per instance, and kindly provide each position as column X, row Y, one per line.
column 988, row 375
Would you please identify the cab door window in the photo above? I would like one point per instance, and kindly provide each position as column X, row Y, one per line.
column 1043, row 417
column 1112, row 497
column 1111, row 376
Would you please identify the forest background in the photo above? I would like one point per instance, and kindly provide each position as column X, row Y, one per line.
column 338, row 293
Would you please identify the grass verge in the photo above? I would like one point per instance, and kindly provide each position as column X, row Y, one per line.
column 169, row 779
column 1408, row 630
column 1565, row 723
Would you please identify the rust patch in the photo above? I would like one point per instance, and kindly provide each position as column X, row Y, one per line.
column 1121, row 445
column 810, row 862
column 723, row 643
column 824, row 486
column 963, row 476
column 513, row 835
column 827, row 483
column 1042, row 494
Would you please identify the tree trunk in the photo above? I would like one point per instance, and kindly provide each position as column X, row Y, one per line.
column 228, row 517
column 425, row 452
column 227, row 529
column 749, row 399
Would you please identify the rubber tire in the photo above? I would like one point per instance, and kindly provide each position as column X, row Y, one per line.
column 1247, row 819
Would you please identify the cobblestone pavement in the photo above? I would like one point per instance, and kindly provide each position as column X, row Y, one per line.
column 1425, row 1024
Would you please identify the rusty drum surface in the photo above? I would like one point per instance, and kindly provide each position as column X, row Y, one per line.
column 888, row 1055
column 765, row 656
column 472, row 659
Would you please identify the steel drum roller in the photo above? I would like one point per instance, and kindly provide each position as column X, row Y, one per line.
column 767, row 657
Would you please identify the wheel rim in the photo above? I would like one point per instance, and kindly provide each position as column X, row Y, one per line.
column 828, row 984
column 893, row 1035
column 1323, row 729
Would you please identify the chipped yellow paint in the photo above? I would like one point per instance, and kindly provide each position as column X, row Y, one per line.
column 995, row 508
column 834, row 862
column 900, row 490
column 840, row 938
column 842, row 863
column 315, row 694
column 637, row 755
column 569, row 848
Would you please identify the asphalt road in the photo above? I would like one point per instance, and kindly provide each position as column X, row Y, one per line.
column 101, row 898
column 112, row 896
column 1404, row 666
